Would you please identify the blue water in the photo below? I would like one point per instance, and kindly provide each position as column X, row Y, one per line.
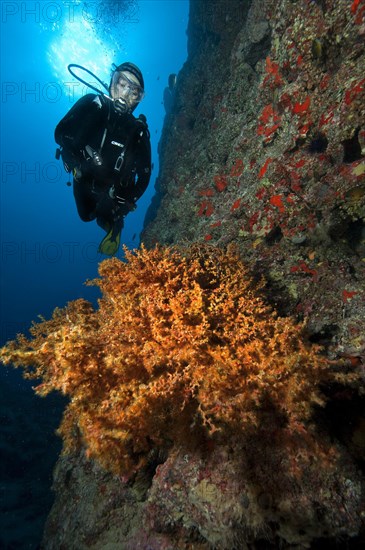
column 47, row 252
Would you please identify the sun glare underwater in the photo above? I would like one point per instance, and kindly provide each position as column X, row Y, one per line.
column 93, row 52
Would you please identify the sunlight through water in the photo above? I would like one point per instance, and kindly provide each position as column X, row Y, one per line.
column 86, row 41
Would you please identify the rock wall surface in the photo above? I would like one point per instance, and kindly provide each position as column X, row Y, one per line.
column 264, row 149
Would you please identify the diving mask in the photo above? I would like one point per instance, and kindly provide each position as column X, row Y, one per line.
column 126, row 91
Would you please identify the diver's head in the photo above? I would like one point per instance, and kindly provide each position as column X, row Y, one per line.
column 126, row 87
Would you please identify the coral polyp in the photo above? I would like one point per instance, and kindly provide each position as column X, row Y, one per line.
column 181, row 347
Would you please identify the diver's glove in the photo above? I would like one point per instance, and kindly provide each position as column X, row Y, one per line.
column 122, row 201
column 125, row 202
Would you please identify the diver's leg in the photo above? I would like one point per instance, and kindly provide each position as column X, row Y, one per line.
column 108, row 212
column 85, row 198
column 103, row 223
column 104, row 213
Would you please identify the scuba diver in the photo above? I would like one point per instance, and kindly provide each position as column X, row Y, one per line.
column 108, row 152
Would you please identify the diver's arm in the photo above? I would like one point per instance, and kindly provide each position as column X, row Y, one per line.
column 69, row 130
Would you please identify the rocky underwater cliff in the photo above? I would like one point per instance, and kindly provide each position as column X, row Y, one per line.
column 262, row 191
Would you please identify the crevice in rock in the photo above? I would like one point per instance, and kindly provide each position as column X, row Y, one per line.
column 259, row 51
column 352, row 148
column 318, row 143
column 343, row 418
column 325, row 336
column 274, row 236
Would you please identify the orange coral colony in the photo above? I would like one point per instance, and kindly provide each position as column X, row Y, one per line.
column 182, row 343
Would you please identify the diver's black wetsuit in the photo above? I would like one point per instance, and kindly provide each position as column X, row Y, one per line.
column 108, row 184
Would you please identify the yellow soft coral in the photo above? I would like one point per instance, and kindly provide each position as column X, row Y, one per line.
column 182, row 343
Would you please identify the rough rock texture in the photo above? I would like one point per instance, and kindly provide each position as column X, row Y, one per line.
column 201, row 500
column 265, row 148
